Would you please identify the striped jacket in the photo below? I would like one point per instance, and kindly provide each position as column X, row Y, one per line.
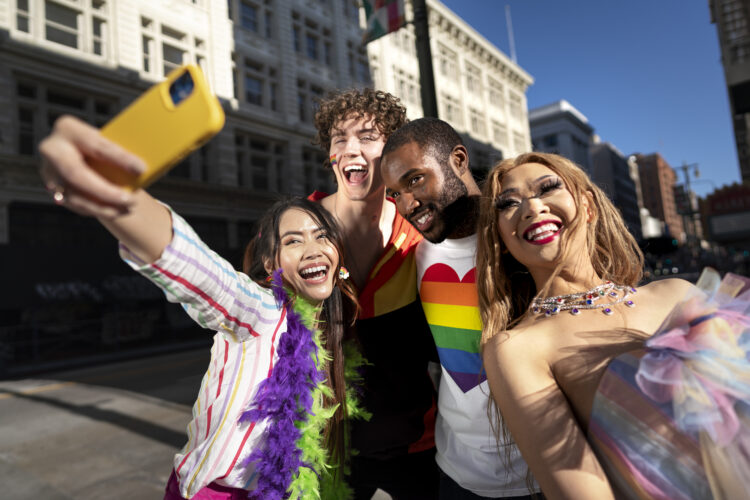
column 248, row 325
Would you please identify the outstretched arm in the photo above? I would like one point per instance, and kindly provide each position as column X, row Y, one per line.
column 135, row 219
column 539, row 418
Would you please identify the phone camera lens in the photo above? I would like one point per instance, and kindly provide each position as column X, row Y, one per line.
column 181, row 88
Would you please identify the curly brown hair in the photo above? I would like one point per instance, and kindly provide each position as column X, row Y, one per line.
column 386, row 109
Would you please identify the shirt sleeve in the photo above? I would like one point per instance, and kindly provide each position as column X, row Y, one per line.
column 210, row 290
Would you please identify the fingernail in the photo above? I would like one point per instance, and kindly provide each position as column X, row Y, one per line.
column 137, row 166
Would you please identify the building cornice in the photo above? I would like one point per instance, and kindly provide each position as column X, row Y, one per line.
column 442, row 18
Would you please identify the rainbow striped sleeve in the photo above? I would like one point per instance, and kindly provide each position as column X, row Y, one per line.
column 452, row 309
column 215, row 295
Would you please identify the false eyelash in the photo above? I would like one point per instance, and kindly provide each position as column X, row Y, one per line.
column 503, row 203
column 550, row 185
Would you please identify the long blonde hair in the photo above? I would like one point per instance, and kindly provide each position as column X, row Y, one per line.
column 505, row 289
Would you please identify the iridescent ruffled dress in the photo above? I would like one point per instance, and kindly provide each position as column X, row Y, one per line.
column 672, row 420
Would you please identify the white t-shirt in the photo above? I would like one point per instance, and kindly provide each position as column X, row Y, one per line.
column 467, row 449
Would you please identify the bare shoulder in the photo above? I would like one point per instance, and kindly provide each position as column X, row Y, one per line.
column 673, row 289
column 525, row 343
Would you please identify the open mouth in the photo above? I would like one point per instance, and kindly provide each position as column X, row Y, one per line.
column 422, row 220
column 355, row 174
column 314, row 274
column 542, row 232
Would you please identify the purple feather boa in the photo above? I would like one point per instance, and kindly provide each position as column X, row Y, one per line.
column 282, row 399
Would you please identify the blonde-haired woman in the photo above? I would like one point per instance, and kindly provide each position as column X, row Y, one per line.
column 567, row 334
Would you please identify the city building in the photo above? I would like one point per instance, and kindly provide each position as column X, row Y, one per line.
column 561, row 129
column 732, row 19
column 611, row 171
column 479, row 90
column 726, row 215
column 651, row 227
column 657, row 188
column 265, row 59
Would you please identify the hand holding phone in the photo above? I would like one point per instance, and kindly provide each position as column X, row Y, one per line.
column 165, row 124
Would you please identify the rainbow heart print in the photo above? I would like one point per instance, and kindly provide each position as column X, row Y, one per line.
column 451, row 306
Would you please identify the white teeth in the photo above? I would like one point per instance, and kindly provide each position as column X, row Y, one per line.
column 531, row 235
column 421, row 220
column 312, row 270
column 354, row 168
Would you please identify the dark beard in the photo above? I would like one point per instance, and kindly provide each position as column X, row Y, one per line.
column 458, row 211
column 460, row 217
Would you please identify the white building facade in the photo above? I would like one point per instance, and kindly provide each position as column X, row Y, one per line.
column 265, row 59
column 479, row 90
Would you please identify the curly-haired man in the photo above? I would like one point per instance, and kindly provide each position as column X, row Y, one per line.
column 395, row 449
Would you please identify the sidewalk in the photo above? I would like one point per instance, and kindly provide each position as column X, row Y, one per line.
column 107, row 432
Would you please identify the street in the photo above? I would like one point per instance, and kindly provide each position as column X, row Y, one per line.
column 102, row 432
column 105, row 432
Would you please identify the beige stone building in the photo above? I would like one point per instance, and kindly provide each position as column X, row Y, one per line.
column 265, row 59
column 480, row 91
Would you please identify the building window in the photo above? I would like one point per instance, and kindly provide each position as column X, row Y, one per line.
column 253, row 90
column 496, row 93
column 166, row 48
column 317, row 177
column 61, row 24
column 260, row 162
column 173, row 57
column 318, row 43
column 515, row 107
column 26, row 129
column 327, row 47
column 473, row 79
column 519, row 143
column 500, row 134
column 477, row 122
column 404, row 40
column 260, row 84
column 307, row 98
column 407, row 87
column 452, row 110
column 734, row 20
column 255, row 16
column 359, row 66
column 448, row 60
column 193, row 167
column 40, row 104
column 22, row 15
column 79, row 27
column 249, row 16
column 268, row 22
column 311, row 46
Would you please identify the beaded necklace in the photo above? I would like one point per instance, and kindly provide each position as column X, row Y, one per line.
column 590, row 299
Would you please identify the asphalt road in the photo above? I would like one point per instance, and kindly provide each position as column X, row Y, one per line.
column 106, row 432
column 103, row 432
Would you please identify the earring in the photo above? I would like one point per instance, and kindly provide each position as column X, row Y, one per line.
column 269, row 278
column 343, row 273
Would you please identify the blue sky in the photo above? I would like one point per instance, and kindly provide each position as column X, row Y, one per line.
column 646, row 73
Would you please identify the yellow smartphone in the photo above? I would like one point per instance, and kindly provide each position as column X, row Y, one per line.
column 164, row 125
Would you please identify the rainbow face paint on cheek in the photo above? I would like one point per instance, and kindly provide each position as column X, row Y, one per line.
column 333, row 161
